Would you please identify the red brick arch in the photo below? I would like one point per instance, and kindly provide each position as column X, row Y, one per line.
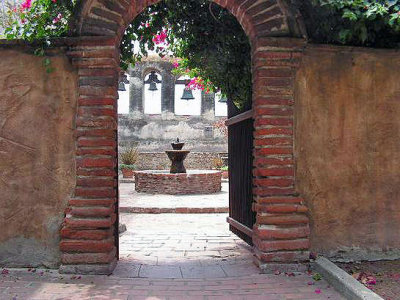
column 89, row 236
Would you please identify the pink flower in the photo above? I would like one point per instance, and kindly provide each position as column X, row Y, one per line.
column 26, row 5
column 176, row 64
column 57, row 19
column 4, row 272
column 318, row 291
column 160, row 38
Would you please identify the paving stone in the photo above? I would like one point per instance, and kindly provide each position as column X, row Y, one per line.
column 202, row 272
column 134, row 202
column 160, row 272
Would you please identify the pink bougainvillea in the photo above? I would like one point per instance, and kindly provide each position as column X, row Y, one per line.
column 57, row 19
column 160, row 38
column 26, row 4
column 196, row 84
column 176, row 64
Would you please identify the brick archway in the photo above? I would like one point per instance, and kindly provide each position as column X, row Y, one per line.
column 89, row 236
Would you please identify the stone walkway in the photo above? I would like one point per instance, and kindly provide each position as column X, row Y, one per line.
column 133, row 202
column 42, row 285
column 182, row 246
column 170, row 256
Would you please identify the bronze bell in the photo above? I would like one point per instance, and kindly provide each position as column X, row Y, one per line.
column 121, row 86
column 187, row 94
column 223, row 99
column 153, row 86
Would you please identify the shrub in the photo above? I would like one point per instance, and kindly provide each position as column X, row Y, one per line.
column 217, row 163
column 129, row 157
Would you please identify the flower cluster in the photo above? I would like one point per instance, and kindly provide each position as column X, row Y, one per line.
column 196, row 83
column 176, row 64
column 26, row 5
column 160, row 38
column 38, row 19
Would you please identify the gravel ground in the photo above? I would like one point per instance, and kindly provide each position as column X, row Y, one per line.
column 383, row 277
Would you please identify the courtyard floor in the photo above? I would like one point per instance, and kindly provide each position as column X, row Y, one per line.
column 134, row 202
column 170, row 256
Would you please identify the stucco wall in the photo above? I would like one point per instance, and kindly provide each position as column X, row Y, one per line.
column 37, row 171
column 153, row 133
column 194, row 160
column 347, row 142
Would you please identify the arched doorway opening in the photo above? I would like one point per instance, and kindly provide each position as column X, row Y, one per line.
column 89, row 236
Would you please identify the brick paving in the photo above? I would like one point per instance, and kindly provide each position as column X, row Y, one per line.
column 134, row 202
column 182, row 245
column 42, row 285
column 170, row 256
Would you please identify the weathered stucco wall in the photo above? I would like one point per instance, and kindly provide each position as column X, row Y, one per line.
column 37, row 171
column 194, row 160
column 347, row 142
column 152, row 133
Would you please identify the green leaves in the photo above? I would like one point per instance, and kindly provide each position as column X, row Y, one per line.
column 210, row 41
column 353, row 22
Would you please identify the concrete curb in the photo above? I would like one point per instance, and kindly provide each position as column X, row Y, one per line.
column 343, row 282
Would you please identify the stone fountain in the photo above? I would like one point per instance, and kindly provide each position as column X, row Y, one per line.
column 177, row 156
column 178, row 181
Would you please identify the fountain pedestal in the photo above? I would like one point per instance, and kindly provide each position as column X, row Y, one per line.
column 177, row 157
column 178, row 181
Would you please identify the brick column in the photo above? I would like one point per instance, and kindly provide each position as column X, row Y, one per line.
column 281, row 232
column 89, row 233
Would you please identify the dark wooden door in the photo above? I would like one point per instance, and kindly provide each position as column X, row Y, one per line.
column 240, row 147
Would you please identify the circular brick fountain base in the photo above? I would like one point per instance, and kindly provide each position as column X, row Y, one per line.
column 193, row 182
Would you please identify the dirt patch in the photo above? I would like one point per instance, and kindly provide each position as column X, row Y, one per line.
column 382, row 277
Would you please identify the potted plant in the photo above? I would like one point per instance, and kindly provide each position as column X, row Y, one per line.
column 225, row 172
column 128, row 159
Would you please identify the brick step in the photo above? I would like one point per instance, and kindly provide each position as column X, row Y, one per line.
column 87, row 246
column 280, row 208
column 282, row 219
column 89, row 223
column 273, row 232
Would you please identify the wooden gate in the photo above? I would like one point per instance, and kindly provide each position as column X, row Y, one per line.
column 240, row 146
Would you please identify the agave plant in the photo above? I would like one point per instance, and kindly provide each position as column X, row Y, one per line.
column 128, row 158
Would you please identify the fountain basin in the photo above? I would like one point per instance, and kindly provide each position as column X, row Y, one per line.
column 192, row 182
